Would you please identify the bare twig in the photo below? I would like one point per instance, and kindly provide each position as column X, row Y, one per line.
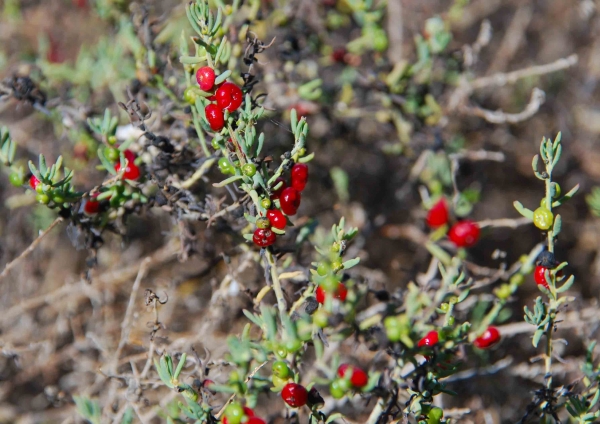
column 31, row 247
column 394, row 30
column 499, row 117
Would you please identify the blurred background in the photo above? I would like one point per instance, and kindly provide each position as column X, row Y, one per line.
column 57, row 330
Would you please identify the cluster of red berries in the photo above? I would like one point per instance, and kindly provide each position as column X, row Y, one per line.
column 340, row 293
column 462, row 234
column 237, row 414
column 490, row 337
column 348, row 377
column 289, row 202
column 228, row 96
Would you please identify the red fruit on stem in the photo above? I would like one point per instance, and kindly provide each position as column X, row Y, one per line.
column 33, row 182
column 430, row 339
column 539, row 276
column 359, row 378
column 437, row 215
column 340, row 293
column 490, row 337
column 263, row 237
column 289, row 201
column 464, row 233
column 277, row 218
column 339, row 54
column 256, row 420
column 229, row 96
column 277, row 193
column 299, row 176
column 132, row 172
column 91, row 207
column 295, row 395
column 215, row 117
column 205, row 77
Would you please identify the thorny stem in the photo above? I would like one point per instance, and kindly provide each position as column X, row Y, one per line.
column 550, row 326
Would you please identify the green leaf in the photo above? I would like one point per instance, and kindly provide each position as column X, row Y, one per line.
column 222, row 77
column 105, row 162
column 253, row 317
column 537, row 336
column 557, row 225
column 191, row 60
column 523, row 210
column 567, row 285
column 228, row 181
column 351, row 263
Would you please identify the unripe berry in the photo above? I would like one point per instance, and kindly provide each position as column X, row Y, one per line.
column 543, row 218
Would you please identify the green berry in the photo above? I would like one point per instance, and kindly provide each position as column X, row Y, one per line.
column 225, row 166
column 249, row 170
column 323, row 269
column 215, row 144
column 263, row 223
column 265, row 203
column 394, row 334
column 58, row 199
column 279, row 382
column 321, row 318
column 517, row 279
column 281, row 351
column 543, row 218
column 281, row 369
column 112, row 140
column 112, row 154
column 336, row 391
column 42, row 198
column 451, row 320
column 234, row 413
column 190, row 95
column 16, row 179
column 445, row 307
column 435, row 415
column 344, row 383
column 330, row 283
column 337, row 265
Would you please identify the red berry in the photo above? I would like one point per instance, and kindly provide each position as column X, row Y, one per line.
column 438, row 214
column 132, row 172
column 277, row 193
column 290, row 201
column 277, row 219
column 464, row 233
column 256, row 420
column 129, row 155
column 338, row 55
column 294, row 395
column 33, row 182
column 430, row 339
column 229, row 96
column 359, row 378
column 206, row 78
column 299, row 176
column 539, row 276
column 340, row 293
column 91, row 207
column 215, row 117
column 263, row 237
column 490, row 337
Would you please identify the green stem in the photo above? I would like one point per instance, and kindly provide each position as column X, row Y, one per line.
column 200, row 132
column 281, row 305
